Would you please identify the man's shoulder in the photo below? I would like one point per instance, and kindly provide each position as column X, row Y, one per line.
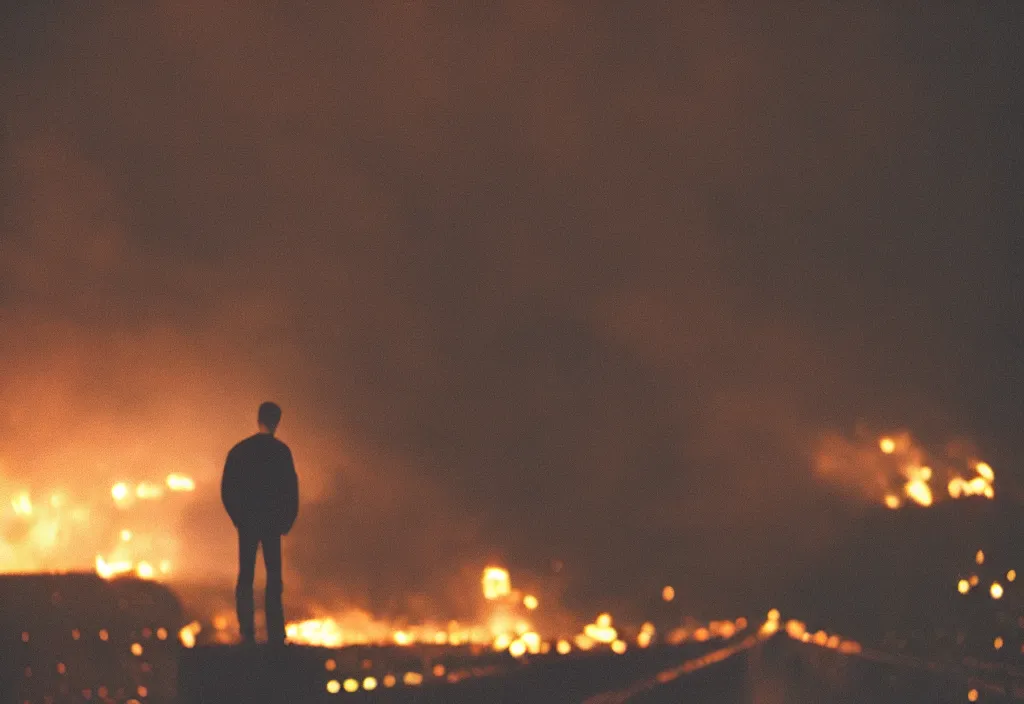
column 260, row 443
column 244, row 445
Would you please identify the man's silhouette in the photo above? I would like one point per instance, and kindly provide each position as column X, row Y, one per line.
column 260, row 491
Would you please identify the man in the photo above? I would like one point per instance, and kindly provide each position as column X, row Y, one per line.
column 260, row 491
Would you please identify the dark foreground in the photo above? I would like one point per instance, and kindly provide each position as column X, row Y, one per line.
column 746, row 670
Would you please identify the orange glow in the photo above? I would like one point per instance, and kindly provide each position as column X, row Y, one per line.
column 996, row 590
column 563, row 647
column 998, row 643
column 917, row 489
column 136, row 649
column 370, row 684
column 333, row 686
column 973, row 580
column 619, row 647
column 601, row 630
column 892, row 501
column 180, row 482
column 330, row 665
column 496, row 583
column 963, row 586
column 985, row 471
column 668, row 593
column 187, row 635
column 972, row 695
column 351, row 685
column 412, row 679
column 390, row 680
column 979, row 557
column 120, row 492
column 1011, row 575
column 530, row 602
column 887, row 445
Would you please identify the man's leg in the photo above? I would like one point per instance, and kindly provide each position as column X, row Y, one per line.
column 247, row 544
column 272, row 605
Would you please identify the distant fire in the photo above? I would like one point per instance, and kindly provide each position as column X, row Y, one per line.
column 896, row 469
column 46, row 531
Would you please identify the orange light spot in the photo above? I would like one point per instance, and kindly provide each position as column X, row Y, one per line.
column 496, row 583
column 333, row 686
column 668, row 593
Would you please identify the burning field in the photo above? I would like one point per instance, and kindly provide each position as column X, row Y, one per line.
column 126, row 530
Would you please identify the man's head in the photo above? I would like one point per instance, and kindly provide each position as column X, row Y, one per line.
column 269, row 416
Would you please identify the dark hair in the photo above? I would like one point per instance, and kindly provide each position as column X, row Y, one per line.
column 269, row 415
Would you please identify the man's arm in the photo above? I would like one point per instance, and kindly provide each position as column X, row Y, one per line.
column 291, row 492
column 230, row 489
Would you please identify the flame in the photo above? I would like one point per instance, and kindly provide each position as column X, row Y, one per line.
column 496, row 583
column 187, row 635
column 901, row 468
column 180, row 482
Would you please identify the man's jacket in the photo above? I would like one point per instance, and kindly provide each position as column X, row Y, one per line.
column 260, row 489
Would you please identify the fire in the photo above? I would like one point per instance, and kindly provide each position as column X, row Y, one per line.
column 187, row 635
column 496, row 583
column 903, row 469
column 180, row 482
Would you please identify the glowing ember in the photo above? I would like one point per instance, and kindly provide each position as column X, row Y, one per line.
column 1011, row 575
column 496, row 583
column 668, row 593
column 900, row 468
column 180, row 482
column 187, row 635
column 979, row 557
column 120, row 492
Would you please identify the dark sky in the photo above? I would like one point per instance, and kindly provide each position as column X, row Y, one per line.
column 556, row 280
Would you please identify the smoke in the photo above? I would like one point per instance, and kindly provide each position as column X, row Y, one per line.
column 550, row 283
